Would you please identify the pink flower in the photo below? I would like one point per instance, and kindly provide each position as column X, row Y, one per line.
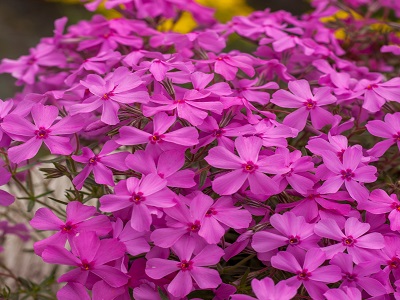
column 388, row 129
column 308, row 273
column 265, row 289
column 308, row 104
column 189, row 268
column 359, row 245
column 144, row 196
column 6, row 198
column 43, row 131
column 343, row 294
column 122, row 86
column 90, row 256
column 248, row 166
column 350, row 172
column 381, row 203
column 99, row 164
column 80, row 218
column 359, row 275
column 289, row 230
column 167, row 165
column 186, row 136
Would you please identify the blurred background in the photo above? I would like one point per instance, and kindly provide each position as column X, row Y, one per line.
column 24, row 22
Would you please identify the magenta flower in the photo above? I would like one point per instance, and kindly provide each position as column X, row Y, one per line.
column 343, row 294
column 43, row 131
column 134, row 241
column 309, row 273
column 388, row 129
column 350, row 172
column 99, row 164
column 90, row 256
column 167, row 166
column 189, row 268
column 122, row 86
column 265, row 289
column 80, row 218
column 307, row 104
column 355, row 239
column 143, row 196
column 248, row 166
column 5, row 108
column 186, row 136
column 359, row 275
column 289, row 230
column 216, row 215
column 381, row 203
column 73, row 290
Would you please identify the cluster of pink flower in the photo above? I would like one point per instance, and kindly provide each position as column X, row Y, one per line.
column 205, row 179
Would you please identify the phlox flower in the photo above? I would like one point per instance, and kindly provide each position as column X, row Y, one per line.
column 300, row 97
column 6, row 198
column 189, row 268
column 381, row 203
column 350, row 172
column 265, row 289
column 99, row 164
column 121, row 86
column 167, row 165
column 247, row 167
column 289, row 230
column 185, row 136
column 217, row 216
column 143, row 195
column 388, row 129
column 359, row 244
column 308, row 271
column 5, row 109
column 345, row 293
column 359, row 275
column 80, row 218
column 43, row 131
column 90, row 257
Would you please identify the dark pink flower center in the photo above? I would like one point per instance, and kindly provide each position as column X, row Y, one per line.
column 185, row 265
column 179, row 101
column 219, row 132
column 348, row 241
column 312, row 197
column 86, row 266
column 42, row 133
column 396, row 206
column 397, row 136
column 211, row 211
column 194, row 227
column 156, row 138
column 249, row 167
column 303, row 274
column 350, row 277
column 347, row 174
column 107, row 96
column 31, row 61
column 68, row 228
column 137, row 198
column 294, row 240
column 310, row 104
column 371, row 86
column 394, row 263
column 93, row 160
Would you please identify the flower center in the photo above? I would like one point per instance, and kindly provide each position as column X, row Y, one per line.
column 397, row 136
column 312, row 197
column 31, row 61
column 394, row 263
column 156, row 138
column 249, row 167
column 68, row 227
column 86, row 266
column 310, row 104
column 349, row 241
column 294, row 240
column 185, row 265
column 93, row 160
column 107, row 96
column 194, row 227
column 371, row 86
column 347, row 174
column 42, row 133
column 211, row 211
column 137, row 198
column 219, row 132
column 179, row 101
column 303, row 275
column 396, row 206
column 350, row 277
